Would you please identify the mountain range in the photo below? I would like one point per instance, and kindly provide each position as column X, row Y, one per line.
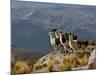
column 31, row 22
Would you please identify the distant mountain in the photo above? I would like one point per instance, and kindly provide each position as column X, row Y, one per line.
column 12, row 45
column 31, row 22
column 22, row 54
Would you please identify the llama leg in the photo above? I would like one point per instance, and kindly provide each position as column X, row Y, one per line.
column 54, row 50
column 62, row 49
column 71, row 50
column 74, row 50
column 66, row 50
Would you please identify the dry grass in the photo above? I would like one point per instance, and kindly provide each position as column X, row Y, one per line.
column 22, row 67
column 56, row 61
column 84, row 60
column 74, row 60
column 50, row 66
column 37, row 67
column 64, row 63
column 65, row 67
column 69, row 62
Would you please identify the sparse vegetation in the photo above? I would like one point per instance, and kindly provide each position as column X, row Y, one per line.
column 58, row 62
column 21, row 67
column 65, row 66
column 55, row 61
column 50, row 67
column 69, row 62
column 84, row 60
column 37, row 67
column 44, row 65
column 92, row 42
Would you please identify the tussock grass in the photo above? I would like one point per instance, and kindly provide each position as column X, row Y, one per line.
column 58, row 62
column 50, row 66
column 22, row 67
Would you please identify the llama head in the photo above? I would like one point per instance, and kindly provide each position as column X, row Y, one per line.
column 70, row 35
column 74, row 37
column 51, row 34
column 54, row 30
column 60, row 32
column 66, row 34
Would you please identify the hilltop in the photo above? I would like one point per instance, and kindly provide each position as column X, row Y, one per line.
column 56, row 62
column 64, row 62
column 23, row 54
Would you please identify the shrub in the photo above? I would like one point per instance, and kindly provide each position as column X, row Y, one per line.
column 84, row 60
column 56, row 61
column 21, row 67
column 37, row 67
column 44, row 65
column 50, row 67
column 32, row 61
column 66, row 67
column 93, row 42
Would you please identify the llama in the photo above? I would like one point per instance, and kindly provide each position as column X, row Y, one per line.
column 64, row 41
column 82, row 44
column 55, row 42
column 72, row 42
column 56, row 33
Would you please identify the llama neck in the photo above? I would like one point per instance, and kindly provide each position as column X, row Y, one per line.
column 51, row 37
column 52, row 40
column 60, row 36
column 70, row 38
column 56, row 35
